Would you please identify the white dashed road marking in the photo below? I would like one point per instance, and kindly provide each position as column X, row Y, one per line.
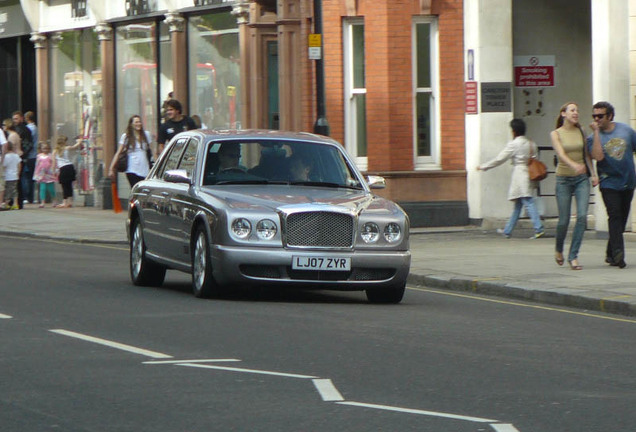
column 2, row 316
column 328, row 392
column 111, row 344
column 420, row 412
column 254, row 371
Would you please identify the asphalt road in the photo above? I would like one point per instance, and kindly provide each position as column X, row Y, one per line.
column 84, row 350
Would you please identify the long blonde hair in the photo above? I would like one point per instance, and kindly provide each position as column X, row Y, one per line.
column 60, row 144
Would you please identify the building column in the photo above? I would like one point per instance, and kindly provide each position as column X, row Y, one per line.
column 176, row 25
column 40, row 42
column 109, row 110
column 289, row 65
column 241, row 12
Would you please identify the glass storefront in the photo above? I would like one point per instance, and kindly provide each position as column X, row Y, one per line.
column 214, row 69
column 76, row 103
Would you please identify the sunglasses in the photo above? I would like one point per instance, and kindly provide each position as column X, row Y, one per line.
column 598, row 116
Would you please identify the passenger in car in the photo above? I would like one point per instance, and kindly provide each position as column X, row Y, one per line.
column 299, row 167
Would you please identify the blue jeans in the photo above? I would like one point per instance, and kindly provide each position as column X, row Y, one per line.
column 579, row 186
column 528, row 202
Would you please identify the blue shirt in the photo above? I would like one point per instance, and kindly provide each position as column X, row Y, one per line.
column 616, row 170
column 34, row 135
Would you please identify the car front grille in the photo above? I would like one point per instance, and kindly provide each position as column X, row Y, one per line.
column 319, row 229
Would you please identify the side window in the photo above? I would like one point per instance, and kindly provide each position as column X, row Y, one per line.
column 172, row 161
column 189, row 159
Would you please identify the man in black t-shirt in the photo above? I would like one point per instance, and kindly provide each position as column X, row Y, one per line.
column 176, row 122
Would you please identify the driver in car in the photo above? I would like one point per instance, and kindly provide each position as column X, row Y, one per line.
column 229, row 157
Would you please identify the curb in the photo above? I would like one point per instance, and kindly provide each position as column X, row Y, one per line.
column 84, row 240
column 558, row 296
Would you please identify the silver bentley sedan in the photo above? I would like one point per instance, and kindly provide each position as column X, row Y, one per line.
column 259, row 207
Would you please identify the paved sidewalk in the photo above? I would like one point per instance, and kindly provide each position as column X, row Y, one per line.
column 462, row 259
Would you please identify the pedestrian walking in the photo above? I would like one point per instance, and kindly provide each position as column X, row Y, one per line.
column 175, row 122
column 519, row 151
column 574, row 163
column 65, row 168
column 135, row 142
column 45, row 174
column 31, row 190
column 612, row 145
column 28, row 158
column 11, row 163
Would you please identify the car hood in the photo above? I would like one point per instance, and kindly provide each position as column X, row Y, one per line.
column 275, row 197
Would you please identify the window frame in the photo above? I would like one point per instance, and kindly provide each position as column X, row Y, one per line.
column 350, row 93
column 432, row 161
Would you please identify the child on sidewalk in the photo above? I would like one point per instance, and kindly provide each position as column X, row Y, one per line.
column 11, row 163
column 45, row 173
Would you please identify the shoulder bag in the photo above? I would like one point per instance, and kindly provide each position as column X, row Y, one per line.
column 122, row 159
column 537, row 170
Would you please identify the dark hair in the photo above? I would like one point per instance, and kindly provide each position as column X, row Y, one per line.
column 130, row 134
column 175, row 104
column 518, row 127
column 609, row 109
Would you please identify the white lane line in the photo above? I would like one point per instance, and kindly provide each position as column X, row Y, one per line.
column 501, row 427
column 253, row 371
column 420, row 412
column 190, row 361
column 111, row 344
column 328, row 392
column 3, row 316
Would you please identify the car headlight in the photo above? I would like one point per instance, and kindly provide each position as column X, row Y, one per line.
column 266, row 229
column 241, row 228
column 370, row 232
column 392, row 232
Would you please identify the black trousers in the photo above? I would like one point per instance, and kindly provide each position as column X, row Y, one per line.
column 617, row 203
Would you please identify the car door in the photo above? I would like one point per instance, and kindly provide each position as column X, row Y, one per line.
column 155, row 211
column 182, row 205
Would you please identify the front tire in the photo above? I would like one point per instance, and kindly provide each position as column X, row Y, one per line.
column 143, row 272
column 203, row 283
column 386, row 295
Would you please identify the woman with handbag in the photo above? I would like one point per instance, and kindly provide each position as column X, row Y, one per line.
column 519, row 150
column 134, row 153
column 574, row 164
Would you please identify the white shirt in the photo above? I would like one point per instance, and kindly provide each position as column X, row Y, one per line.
column 10, row 163
column 137, row 156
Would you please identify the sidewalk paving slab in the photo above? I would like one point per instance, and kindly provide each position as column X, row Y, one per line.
column 462, row 259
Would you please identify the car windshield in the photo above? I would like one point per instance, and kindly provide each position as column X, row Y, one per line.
column 277, row 162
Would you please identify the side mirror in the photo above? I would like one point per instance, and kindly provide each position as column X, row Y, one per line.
column 177, row 176
column 376, row 182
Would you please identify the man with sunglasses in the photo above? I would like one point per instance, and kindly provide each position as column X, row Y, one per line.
column 612, row 145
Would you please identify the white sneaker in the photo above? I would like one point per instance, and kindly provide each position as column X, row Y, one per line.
column 501, row 231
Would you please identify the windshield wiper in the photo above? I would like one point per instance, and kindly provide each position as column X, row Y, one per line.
column 324, row 184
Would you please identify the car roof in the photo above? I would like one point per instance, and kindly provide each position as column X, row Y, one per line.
column 264, row 134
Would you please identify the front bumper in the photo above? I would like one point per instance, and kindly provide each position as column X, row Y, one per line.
column 369, row 269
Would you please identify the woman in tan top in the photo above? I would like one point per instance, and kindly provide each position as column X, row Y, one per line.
column 571, row 180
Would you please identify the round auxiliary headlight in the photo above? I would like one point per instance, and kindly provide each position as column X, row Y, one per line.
column 370, row 232
column 392, row 232
column 241, row 228
column 266, row 229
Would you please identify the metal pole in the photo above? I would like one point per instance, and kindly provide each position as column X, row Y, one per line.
column 321, row 126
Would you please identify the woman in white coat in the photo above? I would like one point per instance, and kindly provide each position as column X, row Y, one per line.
column 519, row 151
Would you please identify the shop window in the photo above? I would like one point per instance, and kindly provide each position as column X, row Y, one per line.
column 355, row 91
column 76, row 103
column 214, row 70
column 426, row 99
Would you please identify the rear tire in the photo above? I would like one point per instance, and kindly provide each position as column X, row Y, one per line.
column 386, row 295
column 143, row 272
column 203, row 283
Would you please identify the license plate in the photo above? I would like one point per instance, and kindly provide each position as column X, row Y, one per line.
column 321, row 263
